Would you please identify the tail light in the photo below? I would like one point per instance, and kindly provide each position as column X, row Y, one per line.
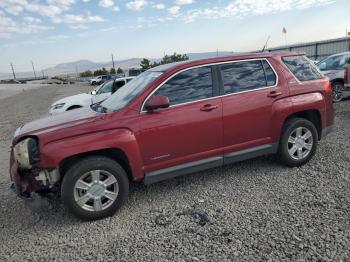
column 328, row 86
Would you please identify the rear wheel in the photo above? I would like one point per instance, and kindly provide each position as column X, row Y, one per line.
column 298, row 142
column 337, row 91
column 95, row 188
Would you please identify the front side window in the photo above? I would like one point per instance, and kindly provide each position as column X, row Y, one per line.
column 245, row 76
column 301, row 67
column 190, row 85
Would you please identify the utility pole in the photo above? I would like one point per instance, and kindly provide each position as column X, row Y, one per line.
column 113, row 62
column 42, row 71
column 217, row 52
column 13, row 72
column 33, row 69
column 76, row 70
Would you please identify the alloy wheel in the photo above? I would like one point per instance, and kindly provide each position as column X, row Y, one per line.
column 96, row 190
column 300, row 143
column 337, row 92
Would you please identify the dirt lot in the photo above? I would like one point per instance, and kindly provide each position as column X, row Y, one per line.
column 254, row 210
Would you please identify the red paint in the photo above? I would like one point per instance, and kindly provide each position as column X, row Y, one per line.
column 184, row 133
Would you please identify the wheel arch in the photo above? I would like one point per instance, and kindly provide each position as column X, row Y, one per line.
column 114, row 154
column 313, row 115
column 73, row 107
column 336, row 80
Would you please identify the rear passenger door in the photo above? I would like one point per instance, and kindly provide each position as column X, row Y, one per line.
column 249, row 89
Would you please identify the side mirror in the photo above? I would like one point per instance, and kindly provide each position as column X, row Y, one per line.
column 93, row 92
column 156, row 102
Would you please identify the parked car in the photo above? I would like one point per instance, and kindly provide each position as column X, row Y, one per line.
column 346, row 91
column 135, row 71
column 97, row 95
column 333, row 68
column 100, row 79
column 173, row 120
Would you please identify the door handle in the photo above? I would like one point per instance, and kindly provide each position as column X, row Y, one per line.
column 274, row 94
column 208, row 108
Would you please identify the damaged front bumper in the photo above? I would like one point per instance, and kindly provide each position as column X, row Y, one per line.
column 27, row 181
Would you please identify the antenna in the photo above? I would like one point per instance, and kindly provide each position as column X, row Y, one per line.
column 265, row 44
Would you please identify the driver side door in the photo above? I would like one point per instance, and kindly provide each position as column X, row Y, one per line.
column 187, row 136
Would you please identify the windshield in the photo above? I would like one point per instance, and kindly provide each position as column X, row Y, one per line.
column 97, row 88
column 333, row 63
column 129, row 91
column 106, row 88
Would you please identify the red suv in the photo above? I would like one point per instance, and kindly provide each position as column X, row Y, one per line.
column 173, row 120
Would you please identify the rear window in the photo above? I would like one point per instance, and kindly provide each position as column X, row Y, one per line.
column 302, row 68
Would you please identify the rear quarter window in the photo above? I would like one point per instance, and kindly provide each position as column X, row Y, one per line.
column 302, row 68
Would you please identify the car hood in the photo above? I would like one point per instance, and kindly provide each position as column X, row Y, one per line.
column 60, row 121
column 76, row 98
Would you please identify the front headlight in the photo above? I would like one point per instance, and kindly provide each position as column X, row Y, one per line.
column 58, row 106
column 26, row 152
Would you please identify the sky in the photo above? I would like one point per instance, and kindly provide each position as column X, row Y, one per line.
column 49, row 32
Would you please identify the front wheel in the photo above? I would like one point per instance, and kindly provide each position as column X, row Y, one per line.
column 337, row 91
column 298, row 142
column 95, row 188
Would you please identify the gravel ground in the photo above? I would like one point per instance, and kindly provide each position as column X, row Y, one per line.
column 254, row 210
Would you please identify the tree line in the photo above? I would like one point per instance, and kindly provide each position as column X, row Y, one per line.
column 146, row 63
column 103, row 71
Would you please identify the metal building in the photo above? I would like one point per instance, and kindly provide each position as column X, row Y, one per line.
column 320, row 49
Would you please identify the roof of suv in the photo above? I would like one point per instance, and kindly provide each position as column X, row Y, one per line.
column 240, row 56
column 340, row 54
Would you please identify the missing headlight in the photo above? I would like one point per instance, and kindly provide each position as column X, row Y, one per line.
column 33, row 150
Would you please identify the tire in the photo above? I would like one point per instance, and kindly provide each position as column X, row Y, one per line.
column 91, row 200
column 93, row 83
column 297, row 130
column 337, row 88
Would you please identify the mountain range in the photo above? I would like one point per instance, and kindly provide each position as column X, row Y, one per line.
column 83, row 65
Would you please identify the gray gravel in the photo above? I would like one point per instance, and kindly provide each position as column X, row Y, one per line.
column 254, row 210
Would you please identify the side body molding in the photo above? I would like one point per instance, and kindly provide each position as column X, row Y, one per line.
column 196, row 166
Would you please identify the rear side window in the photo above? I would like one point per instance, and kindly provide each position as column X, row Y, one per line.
column 188, row 86
column 270, row 75
column 247, row 75
column 301, row 67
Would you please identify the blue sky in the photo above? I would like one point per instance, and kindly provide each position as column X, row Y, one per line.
column 53, row 31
